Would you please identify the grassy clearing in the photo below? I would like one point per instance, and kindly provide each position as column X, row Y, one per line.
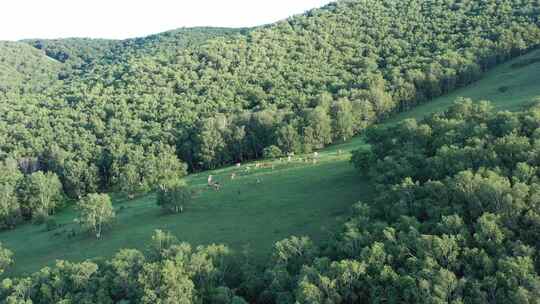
column 293, row 199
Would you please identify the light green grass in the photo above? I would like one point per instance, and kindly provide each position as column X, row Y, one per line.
column 522, row 83
column 293, row 199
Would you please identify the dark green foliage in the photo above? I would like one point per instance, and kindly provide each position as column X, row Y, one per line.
column 219, row 96
column 456, row 219
column 6, row 259
column 288, row 139
column 363, row 159
column 136, row 170
column 40, row 193
column 10, row 206
column 344, row 120
column 174, row 196
column 318, row 129
column 272, row 152
column 448, row 227
column 81, row 54
column 25, row 70
column 180, row 274
column 171, row 41
column 456, row 212
column 76, row 52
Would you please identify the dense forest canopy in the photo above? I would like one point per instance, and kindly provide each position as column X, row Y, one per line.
column 80, row 53
column 226, row 98
column 24, row 69
column 76, row 51
column 456, row 218
column 122, row 115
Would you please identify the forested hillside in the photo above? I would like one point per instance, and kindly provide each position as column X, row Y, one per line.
column 24, row 69
column 74, row 53
column 299, row 85
column 455, row 220
column 172, row 42
column 455, row 216
column 79, row 53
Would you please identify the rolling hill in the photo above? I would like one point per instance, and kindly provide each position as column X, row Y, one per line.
column 295, row 198
column 77, row 53
column 25, row 68
column 337, row 196
column 34, row 65
column 509, row 86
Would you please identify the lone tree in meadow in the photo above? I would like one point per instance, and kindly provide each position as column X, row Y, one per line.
column 96, row 213
column 174, row 196
column 5, row 258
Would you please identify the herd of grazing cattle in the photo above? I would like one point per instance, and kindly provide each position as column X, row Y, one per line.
column 247, row 169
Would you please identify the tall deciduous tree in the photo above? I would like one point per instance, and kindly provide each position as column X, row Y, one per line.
column 288, row 139
column 343, row 121
column 10, row 179
column 126, row 266
column 137, row 170
column 173, row 196
column 321, row 124
column 41, row 193
column 6, row 258
column 9, row 206
column 166, row 283
column 96, row 213
column 210, row 143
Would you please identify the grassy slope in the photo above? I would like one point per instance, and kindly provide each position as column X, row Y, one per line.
column 293, row 199
column 522, row 83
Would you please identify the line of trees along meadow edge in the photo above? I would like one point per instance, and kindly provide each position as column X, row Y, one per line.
column 455, row 220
